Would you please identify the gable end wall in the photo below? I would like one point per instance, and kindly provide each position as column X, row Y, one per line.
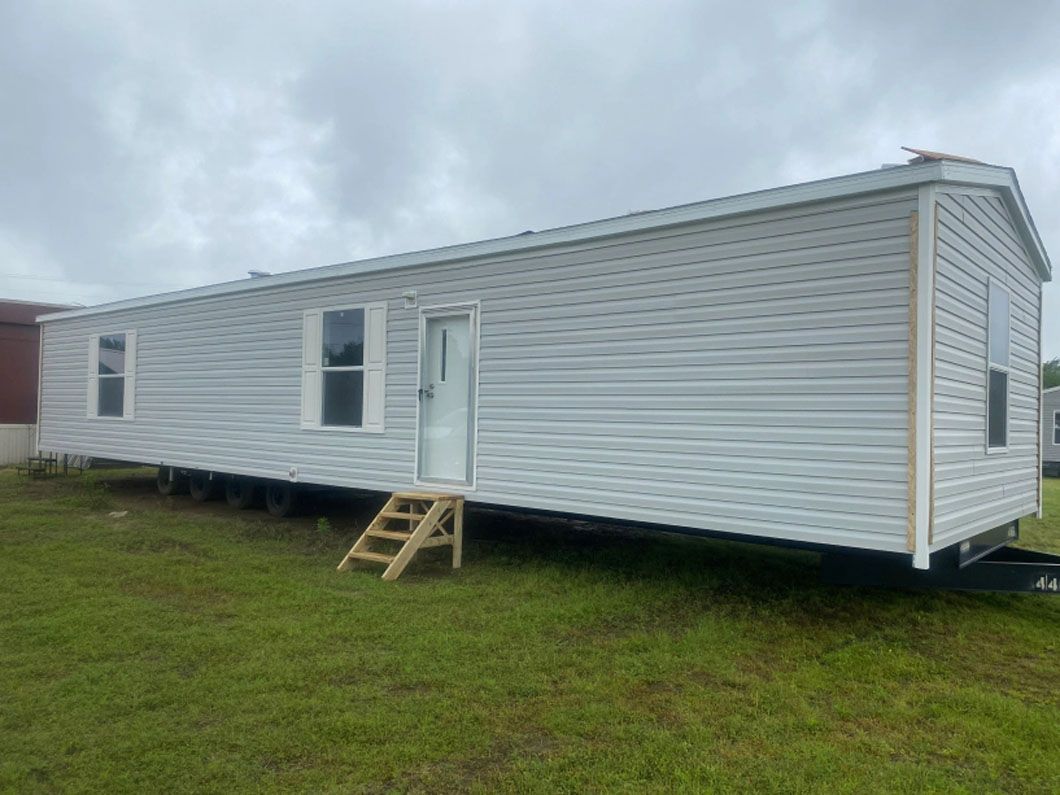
column 973, row 490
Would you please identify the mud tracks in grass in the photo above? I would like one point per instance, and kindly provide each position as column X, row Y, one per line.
column 485, row 770
column 185, row 597
column 165, row 546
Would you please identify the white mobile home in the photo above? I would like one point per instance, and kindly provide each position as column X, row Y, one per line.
column 1051, row 430
column 849, row 363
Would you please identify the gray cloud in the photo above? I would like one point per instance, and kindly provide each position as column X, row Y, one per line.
column 145, row 148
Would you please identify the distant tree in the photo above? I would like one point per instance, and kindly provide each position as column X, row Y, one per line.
column 1051, row 373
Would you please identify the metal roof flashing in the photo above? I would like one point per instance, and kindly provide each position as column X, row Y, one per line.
column 933, row 171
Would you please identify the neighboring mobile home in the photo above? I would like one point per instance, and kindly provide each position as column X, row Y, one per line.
column 20, row 357
column 1051, row 430
column 847, row 363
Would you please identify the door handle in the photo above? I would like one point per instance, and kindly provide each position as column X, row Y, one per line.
column 427, row 392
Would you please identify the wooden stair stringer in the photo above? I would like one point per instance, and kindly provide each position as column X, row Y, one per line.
column 423, row 530
column 428, row 520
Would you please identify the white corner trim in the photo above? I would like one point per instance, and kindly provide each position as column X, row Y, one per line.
column 924, row 374
column 40, row 389
column 1040, row 400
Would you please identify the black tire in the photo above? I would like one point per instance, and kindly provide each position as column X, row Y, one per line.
column 170, row 481
column 281, row 499
column 240, row 492
column 201, row 486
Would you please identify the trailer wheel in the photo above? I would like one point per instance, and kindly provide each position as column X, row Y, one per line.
column 240, row 492
column 281, row 499
column 202, row 486
column 170, row 481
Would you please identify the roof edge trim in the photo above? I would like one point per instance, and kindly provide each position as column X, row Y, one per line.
column 790, row 195
column 1004, row 180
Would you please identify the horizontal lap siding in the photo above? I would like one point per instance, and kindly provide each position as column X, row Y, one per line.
column 975, row 491
column 745, row 375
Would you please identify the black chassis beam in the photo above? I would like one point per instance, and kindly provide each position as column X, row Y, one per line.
column 983, row 563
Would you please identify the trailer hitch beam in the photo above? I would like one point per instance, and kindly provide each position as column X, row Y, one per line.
column 983, row 563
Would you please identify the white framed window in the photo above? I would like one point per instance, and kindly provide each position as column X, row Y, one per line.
column 112, row 375
column 998, row 336
column 344, row 368
column 1056, row 427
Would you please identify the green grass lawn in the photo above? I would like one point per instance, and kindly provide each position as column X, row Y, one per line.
column 186, row 647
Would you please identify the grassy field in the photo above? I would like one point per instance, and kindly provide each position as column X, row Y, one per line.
column 185, row 647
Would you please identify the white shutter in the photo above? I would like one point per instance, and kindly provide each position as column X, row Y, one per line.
column 130, row 375
column 92, row 388
column 374, row 367
column 312, row 347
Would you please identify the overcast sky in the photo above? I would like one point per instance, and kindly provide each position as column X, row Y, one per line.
column 145, row 149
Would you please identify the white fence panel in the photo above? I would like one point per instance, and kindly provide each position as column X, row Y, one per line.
column 16, row 443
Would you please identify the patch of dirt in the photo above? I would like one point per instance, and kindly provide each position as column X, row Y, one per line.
column 1008, row 668
column 346, row 510
column 184, row 598
column 479, row 770
column 715, row 682
column 161, row 546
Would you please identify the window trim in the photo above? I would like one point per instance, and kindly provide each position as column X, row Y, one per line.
column 128, row 377
column 991, row 283
column 1056, row 427
column 364, row 367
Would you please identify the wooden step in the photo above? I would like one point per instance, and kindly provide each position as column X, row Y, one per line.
column 426, row 496
column 400, row 515
column 377, row 557
column 393, row 535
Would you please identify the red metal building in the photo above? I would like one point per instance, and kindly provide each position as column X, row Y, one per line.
column 19, row 360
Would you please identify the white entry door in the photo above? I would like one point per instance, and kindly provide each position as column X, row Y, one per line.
column 448, row 342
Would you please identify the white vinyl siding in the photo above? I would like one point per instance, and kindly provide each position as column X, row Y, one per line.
column 372, row 366
column 744, row 374
column 976, row 489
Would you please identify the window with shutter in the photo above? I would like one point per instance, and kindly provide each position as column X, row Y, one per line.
column 344, row 368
